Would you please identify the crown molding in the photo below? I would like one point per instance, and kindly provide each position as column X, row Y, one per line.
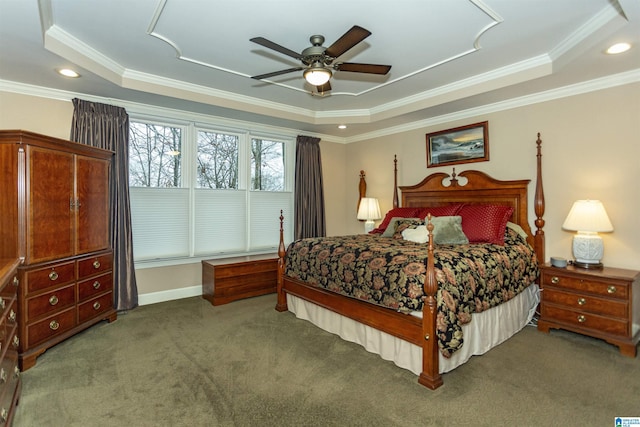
column 612, row 81
column 151, row 111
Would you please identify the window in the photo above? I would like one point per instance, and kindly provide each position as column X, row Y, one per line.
column 217, row 160
column 154, row 155
column 199, row 192
column 267, row 165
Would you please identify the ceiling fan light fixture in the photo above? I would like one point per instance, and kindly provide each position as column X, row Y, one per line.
column 317, row 76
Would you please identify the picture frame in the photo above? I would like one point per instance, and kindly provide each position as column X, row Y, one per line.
column 464, row 144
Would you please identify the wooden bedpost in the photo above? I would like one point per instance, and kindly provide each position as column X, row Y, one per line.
column 395, row 181
column 281, row 305
column 430, row 376
column 539, row 241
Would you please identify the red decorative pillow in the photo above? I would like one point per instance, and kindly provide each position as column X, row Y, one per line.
column 485, row 223
column 393, row 213
column 448, row 210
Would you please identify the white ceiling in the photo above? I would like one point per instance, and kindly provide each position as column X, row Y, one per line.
column 447, row 56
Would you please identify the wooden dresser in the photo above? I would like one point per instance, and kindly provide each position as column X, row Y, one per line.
column 56, row 209
column 602, row 303
column 10, row 382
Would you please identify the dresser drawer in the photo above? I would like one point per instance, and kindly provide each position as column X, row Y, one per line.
column 10, row 320
column 593, row 286
column 51, row 326
column 9, row 375
column 54, row 275
column 51, row 302
column 90, row 266
column 95, row 286
column 95, row 307
column 585, row 320
column 586, row 302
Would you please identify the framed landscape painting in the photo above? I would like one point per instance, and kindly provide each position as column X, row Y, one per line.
column 464, row 144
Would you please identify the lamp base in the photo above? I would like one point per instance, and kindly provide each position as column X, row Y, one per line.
column 588, row 265
column 368, row 226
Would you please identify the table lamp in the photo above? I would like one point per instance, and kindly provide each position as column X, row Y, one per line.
column 587, row 217
column 369, row 211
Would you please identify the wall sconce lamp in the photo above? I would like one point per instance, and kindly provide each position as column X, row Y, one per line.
column 369, row 211
column 588, row 217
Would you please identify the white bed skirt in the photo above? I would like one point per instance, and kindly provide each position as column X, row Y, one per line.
column 486, row 330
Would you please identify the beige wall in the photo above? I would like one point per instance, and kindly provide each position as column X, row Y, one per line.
column 590, row 150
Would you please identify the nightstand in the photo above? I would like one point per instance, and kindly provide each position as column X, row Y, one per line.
column 601, row 303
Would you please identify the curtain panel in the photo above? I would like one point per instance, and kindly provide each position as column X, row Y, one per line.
column 309, row 190
column 107, row 127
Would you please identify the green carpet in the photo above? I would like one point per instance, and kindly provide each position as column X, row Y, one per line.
column 187, row 363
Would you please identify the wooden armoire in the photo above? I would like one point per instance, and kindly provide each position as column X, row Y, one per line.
column 55, row 217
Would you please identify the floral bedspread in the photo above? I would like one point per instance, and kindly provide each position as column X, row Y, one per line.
column 390, row 273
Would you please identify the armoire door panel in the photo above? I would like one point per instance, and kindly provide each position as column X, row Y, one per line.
column 92, row 192
column 50, row 195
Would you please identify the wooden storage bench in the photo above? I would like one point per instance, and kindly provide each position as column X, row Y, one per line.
column 229, row 279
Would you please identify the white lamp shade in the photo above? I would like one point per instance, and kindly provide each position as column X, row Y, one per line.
column 369, row 209
column 588, row 215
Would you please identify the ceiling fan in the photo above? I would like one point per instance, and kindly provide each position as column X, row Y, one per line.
column 318, row 61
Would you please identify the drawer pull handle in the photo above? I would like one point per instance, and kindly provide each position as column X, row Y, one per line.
column 16, row 282
column 3, row 376
column 16, row 372
column 582, row 319
column 16, row 341
column 96, row 264
column 96, row 285
column 53, row 300
column 582, row 301
column 53, row 276
column 555, row 280
column 53, row 325
column 611, row 289
column 12, row 316
column 2, row 302
column 4, row 414
column 96, row 305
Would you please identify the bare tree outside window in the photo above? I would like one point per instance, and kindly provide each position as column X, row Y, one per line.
column 267, row 165
column 154, row 155
column 217, row 160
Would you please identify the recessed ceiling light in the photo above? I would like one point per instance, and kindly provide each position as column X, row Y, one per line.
column 67, row 72
column 342, row 126
column 618, row 48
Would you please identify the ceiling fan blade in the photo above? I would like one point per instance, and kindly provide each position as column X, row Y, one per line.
column 363, row 68
column 271, row 45
column 277, row 73
column 348, row 40
column 324, row 88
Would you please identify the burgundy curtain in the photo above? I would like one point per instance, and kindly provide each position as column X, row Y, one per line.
column 106, row 126
column 309, row 193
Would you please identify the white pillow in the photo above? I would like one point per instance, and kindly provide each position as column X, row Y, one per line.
column 418, row 234
column 391, row 228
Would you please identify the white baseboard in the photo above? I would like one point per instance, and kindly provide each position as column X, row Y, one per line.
column 170, row 295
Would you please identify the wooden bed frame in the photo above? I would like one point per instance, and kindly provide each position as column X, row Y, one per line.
column 435, row 190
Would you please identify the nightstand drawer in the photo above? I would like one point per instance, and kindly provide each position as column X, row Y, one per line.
column 585, row 320
column 593, row 286
column 588, row 303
